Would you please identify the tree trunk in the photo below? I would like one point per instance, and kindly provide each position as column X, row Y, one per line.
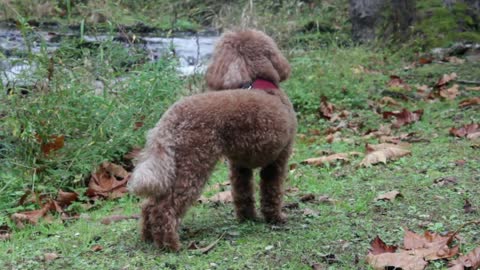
column 403, row 16
column 364, row 15
column 395, row 17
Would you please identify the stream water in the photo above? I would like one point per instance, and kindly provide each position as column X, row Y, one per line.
column 192, row 50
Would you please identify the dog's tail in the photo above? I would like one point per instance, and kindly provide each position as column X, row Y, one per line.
column 155, row 171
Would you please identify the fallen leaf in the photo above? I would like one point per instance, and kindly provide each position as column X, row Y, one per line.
column 468, row 261
column 446, row 78
column 117, row 218
column 400, row 260
column 443, row 181
column 109, row 181
column 471, row 131
column 64, row 198
column 415, row 254
column 396, row 82
column 326, row 108
column 5, row 233
column 310, row 212
column 386, row 101
column 361, row 69
column 468, row 207
column 476, row 88
column 33, row 216
column 48, row 257
column 389, row 196
column 470, row 102
column 425, row 60
column 222, row 197
column 53, row 143
column 205, row 250
column 450, row 93
column 404, row 117
column 431, row 246
column 325, row 199
column 307, row 197
column 96, row 248
column 454, row 60
column 384, row 130
column 321, row 161
column 382, row 152
column 379, row 247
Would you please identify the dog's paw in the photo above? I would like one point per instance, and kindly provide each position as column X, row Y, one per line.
column 279, row 218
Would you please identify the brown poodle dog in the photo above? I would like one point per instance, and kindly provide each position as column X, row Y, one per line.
column 252, row 128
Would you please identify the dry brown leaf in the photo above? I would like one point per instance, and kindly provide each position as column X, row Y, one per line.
column 5, row 232
column 468, row 207
column 379, row 247
column 96, row 248
column 471, row 130
column 446, row 78
column 384, row 130
column 396, row 82
column 389, row 196
column 205, row 250
column 425, row 60
column 222, row 197
column 310, row 212
column 454, row 60
column 109, row 181
column 450, row 93
column 53, row 143
column 33, row 216
column 386, row 101
column 476, row 88
column 444, row 181
column 117, row 218
column 400, row 260
column 64, row 198
column 361, row 69
column 380, row 153
column 321, row 161
column 404, row 117
column 48, row 257
column 326, row 108
column 430, row 246
column 468, row 261
column 470, row 102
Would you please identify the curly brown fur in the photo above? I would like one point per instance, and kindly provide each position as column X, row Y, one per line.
column 251, row 128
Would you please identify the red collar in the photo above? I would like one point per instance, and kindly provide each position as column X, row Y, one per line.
column 263, row 85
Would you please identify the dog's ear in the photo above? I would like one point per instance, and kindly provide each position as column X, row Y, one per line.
column 280, row 64
column 228, row 69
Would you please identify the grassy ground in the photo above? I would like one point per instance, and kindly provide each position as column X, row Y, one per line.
column 333, row 235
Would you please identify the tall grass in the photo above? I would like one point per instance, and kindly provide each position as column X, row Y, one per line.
column 99, row 109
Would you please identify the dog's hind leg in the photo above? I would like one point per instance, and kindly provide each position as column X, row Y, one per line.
column 146, row 223
column 194, row 167
column 271, row 188
column 243, row 192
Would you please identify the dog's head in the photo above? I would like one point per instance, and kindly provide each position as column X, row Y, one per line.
column 243, row 56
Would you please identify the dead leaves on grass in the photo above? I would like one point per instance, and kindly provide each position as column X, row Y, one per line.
column 468, row 261
column 330, row 159
column 470, row 131
column 417, row 251
column 404, row 117
column 380, row 153
column 109, row 181
column 47, row 206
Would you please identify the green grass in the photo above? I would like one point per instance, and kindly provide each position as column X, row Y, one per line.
column 343, row 228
